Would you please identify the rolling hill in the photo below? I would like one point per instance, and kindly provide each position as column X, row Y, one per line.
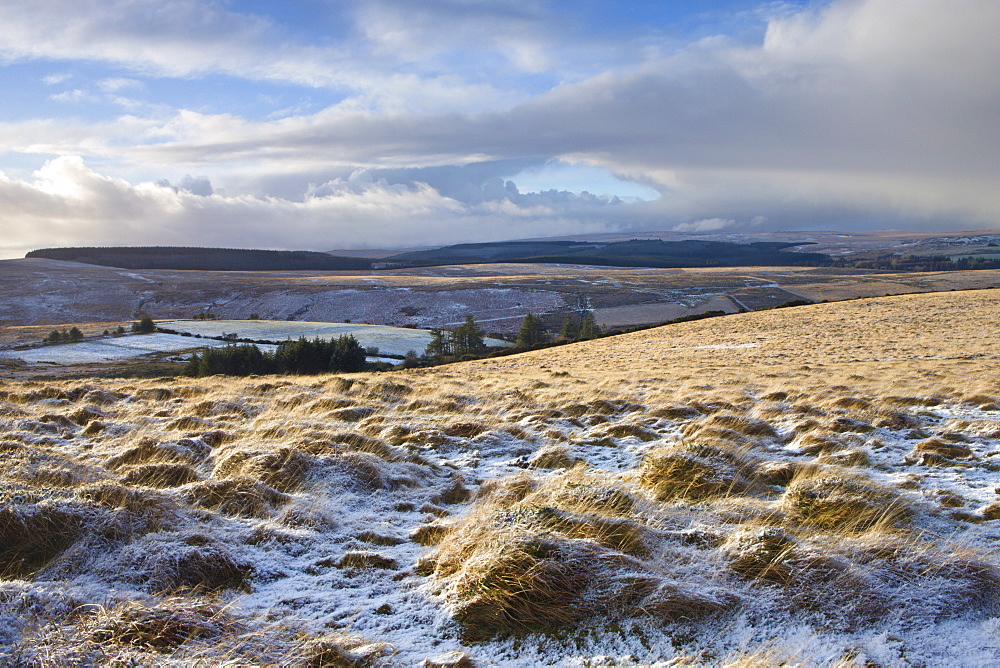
column 810, row 486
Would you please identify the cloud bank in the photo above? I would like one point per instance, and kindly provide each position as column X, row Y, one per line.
column 67, row 204
column 851, row 114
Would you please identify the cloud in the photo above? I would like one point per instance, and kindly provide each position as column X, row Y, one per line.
column 849, row 113
column 196, row 185
column 519, row 32
column 188, row 38
column 55, row 79
column 117, row 84
column 67, row 204
column 706, row 225
column 72, row 96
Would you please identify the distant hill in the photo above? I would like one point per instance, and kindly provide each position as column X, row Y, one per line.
column 633, row 253
column 204, row 259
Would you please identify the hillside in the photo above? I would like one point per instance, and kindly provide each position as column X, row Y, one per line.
column 53, row 292
column 631, row 253
column 202, row 259
column 811, row 486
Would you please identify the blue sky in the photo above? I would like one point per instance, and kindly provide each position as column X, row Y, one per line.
column 370, row 123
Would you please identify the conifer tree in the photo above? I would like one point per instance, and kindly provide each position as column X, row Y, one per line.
column 532, row 332
column 440, row 345
column 468, row 338
column 588, row 326
column 570, row 329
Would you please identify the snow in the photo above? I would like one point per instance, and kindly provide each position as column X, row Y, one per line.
column 389, row 340
column 110, row 348
column 297, row 583
column 418, row 627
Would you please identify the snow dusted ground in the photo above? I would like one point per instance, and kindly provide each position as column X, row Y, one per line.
column 108, row 349
column 418, row 627
column 391, row 340
column 345, row 478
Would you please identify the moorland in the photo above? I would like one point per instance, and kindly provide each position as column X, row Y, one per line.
column 814, row 485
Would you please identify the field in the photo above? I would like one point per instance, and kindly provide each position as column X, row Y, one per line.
column 389, row 340
column 50, row 292
column 106, row 349
column 806, row 486
column 23, row 356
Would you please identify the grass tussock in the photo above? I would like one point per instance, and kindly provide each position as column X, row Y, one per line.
column 742, row 424
column 336, row 649
column 152, row 451
column 553, row 456
column 840, row 501
column 943, row 448
column 168, row 561
column 696, row 471
column 31, row 535
column 285, row 469
column 160, row 475
column 567, row 550
column 526, row 583
column 161, row 626
column 239, row 496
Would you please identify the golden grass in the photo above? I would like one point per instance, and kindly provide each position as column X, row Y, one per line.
column 842, row 501
column 721, row 506
column 697, row 470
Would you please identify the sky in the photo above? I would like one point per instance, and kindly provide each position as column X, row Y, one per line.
column 327, row 124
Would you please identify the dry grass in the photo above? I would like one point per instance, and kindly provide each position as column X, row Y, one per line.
column 842, row 501
column 756, row 485
column 697, row 471
column 169, row 561
column 240, row 496
column 160, row 475
column 566, row 550
column 33, row 535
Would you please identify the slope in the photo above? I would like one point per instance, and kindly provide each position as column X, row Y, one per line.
column 812, row 485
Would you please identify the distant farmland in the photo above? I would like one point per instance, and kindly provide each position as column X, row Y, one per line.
column 389, row 340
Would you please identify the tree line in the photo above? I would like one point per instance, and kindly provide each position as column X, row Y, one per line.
column 302, row 357
column 467, row 340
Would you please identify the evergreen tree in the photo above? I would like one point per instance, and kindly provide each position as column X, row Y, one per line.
column 588, row 326
column 468, row 338
column 570, row 329
column 440, row 345
column 532, row 332
column 347, row 355
column 145, row 325
column 75, row 334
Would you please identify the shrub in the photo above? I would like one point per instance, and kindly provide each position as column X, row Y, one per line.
column 144, row 325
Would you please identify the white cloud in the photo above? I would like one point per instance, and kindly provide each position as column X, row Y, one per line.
column 185, row 38
column 847, row 113
column 520, row 32
column 117, row 84
column 706, row 225
column 73, row 96
column 55, row 79
column 68, row 204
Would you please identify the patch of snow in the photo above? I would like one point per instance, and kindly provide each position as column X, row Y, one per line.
column 726, row 346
